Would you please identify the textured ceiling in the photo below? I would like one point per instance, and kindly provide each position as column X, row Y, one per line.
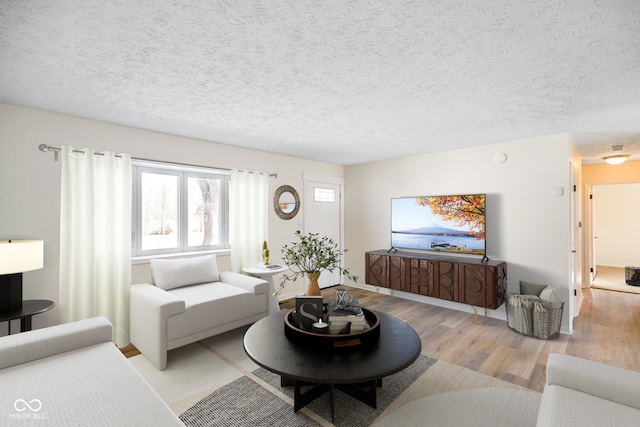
column 337, row 81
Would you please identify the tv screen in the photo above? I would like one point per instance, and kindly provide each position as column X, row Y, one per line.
column 439, row 223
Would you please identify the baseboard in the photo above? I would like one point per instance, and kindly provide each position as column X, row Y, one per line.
column 499, row 314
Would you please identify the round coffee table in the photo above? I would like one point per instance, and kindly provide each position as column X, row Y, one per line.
column 356, row 371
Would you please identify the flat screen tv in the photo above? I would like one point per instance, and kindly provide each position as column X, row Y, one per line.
column 439, row 223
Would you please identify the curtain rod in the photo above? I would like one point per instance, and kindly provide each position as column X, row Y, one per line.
column 44, row 148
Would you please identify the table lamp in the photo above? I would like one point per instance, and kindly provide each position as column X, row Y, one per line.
column 16, row 257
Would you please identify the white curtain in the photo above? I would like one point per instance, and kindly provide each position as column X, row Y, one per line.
column 248, row 217
column 95, row 238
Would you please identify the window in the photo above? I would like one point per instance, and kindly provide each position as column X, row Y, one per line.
column 327, row 195
column 178, row 209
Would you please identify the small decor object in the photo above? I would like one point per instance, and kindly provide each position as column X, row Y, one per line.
column 308, row 311
column 632, row 275
column 265, row 253
column 345, row 319
column 346, row 329
column 320, row 327
column 286, row 202
column 343, row 297
column 333, row 341
column 313, row 288
column 312, row 254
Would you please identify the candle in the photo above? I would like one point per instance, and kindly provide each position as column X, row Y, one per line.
column 320, row 327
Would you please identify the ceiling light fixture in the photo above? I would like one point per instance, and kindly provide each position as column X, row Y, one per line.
column 616, row 159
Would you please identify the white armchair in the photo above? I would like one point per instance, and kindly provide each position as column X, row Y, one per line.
column 189, row 300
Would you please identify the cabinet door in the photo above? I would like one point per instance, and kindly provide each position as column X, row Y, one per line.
column 376, row 272
column 496, row 285
column 473, row 284
column 397, row 272
column 447, row 279
column 420, row 276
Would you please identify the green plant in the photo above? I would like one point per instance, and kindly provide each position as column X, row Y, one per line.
column 312, row 254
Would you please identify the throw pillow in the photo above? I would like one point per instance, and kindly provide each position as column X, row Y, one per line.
column 174, row 273
column 527, row 288
column 551, row 295
column 525, row 301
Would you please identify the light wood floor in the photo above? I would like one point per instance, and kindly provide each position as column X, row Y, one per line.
column 607, row 330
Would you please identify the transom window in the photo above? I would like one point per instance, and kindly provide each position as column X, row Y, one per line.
column 326, row 195
column 179, row 209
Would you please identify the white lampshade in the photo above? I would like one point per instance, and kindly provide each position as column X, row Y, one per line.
column 18, row 256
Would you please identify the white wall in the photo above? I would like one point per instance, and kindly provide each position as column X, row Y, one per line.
column 616, row 224
column 30, row 183
column 527, row 226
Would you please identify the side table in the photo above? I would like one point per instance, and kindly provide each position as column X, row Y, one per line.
column 267, row 274
column 29, row 308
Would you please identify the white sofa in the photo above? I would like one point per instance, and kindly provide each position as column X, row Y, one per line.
column 73, row 375
column 189, row 300
column 581, row 392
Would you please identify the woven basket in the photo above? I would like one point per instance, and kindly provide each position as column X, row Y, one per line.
column 546, row 324
column 520, row 318
column 529, row 318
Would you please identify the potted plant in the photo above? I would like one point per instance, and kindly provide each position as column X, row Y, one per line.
column 310, row 256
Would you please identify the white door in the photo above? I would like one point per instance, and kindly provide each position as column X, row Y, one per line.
column 323, row 215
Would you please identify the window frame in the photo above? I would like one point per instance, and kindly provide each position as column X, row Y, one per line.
column 183, row 172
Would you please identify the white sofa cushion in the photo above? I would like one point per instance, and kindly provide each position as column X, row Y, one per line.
column 562, row 406
column 598, row 379
column 174, row 273
column 210, row 305
column 92, row 385
column 37, row 344
column 584, row 392
column 73, row 375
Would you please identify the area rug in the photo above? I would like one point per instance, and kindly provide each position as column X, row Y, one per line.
column 258, row 399
column 473, row 407
column 613, row 279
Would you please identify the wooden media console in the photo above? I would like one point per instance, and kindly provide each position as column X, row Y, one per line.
column 463, row 280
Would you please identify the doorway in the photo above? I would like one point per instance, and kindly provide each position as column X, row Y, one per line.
column 615, row 232
column 323, row 214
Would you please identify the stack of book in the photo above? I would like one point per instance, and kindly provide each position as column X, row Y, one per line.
column 338, row 319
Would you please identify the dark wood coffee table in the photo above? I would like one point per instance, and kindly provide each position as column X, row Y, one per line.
column 357, row 371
